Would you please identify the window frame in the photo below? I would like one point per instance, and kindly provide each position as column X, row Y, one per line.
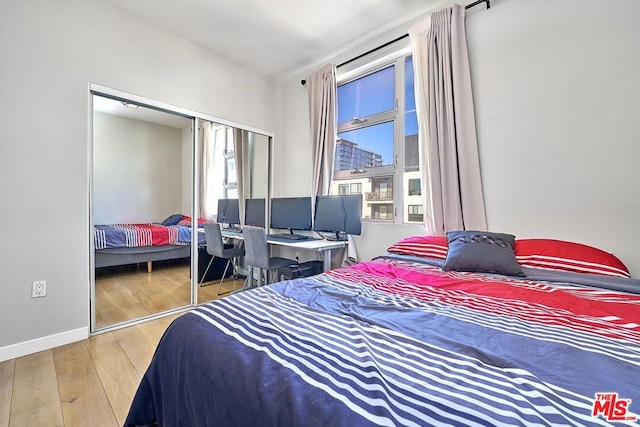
column 372, row 120
column 397, row 115
column 411, row 191
column 410, row 214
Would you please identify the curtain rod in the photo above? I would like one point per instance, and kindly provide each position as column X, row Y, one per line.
column 397, row 39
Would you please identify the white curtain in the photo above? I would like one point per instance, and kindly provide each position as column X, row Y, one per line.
column 242, row 152
column 322, row 92
column 206, row 160
column 448, row 147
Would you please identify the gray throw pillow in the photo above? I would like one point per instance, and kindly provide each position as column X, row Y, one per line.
column 482, row 251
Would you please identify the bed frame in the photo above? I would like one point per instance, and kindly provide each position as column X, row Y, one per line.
column 122, row 256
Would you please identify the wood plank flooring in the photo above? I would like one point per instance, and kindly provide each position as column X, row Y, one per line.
column 92, row 382
column 130, row 292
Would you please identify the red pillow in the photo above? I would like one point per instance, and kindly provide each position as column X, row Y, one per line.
column 567, row 256
column 422, row 246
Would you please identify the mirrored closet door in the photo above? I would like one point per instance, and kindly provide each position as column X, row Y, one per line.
column 234, row 171
column 142, row 201
column 155, row 167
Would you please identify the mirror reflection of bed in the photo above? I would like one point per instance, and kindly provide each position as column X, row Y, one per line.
column 138, row 176
column 142, row 203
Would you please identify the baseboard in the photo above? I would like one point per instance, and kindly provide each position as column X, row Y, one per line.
column 45, row 343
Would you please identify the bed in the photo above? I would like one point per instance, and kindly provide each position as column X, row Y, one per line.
column 469, row 330
column 122, row 244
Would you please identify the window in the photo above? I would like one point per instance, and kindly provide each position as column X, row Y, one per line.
column 377, row 146
column 384, row 212
column 414, row 187
column 231, row 175
column 222, row 175
column 415, row 213
column 367, row 95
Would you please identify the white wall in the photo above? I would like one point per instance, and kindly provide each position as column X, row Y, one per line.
column 50, row 50
column 557, row 96
column 137, row 170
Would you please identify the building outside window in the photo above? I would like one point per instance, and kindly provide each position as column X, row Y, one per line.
column 414, row 187
column 377, row 146
column 415, row 213
column 413, row 197
column 383, row 212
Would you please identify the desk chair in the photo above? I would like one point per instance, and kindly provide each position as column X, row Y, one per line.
column 215, row 248
column 257, row 252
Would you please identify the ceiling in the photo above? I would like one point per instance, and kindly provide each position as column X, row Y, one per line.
column 115, row 107
column 275, row 37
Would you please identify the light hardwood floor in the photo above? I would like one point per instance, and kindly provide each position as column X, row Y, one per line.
column 88, row 383
column 130, row 292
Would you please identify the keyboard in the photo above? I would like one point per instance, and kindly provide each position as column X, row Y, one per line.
column 288, row 236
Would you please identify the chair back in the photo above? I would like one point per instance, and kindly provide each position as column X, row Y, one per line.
column 256, row 247
column 213, row 235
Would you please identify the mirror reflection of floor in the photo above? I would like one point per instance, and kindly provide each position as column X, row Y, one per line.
column 129, row 292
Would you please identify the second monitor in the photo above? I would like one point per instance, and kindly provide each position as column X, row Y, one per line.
column 254, row 212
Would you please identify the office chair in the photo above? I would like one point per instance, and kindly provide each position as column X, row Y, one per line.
column 215, row 248
column 257, row 252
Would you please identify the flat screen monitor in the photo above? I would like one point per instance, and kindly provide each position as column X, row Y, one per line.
column 228, row 211
column 292, row 213
column 254, row 212
column 339, row 214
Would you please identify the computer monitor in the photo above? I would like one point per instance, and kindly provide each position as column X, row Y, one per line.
column 292, row 213
column 339, row 214
column 254, row 212
column 228, row 212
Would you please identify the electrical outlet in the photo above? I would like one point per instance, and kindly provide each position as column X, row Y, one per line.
column 39, row 289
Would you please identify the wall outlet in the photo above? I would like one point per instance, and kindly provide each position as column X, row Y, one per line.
column 39, row 289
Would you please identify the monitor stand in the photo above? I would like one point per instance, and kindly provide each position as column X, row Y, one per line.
column 337, row 237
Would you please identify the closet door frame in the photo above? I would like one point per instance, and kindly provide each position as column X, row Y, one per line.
column 196, row 117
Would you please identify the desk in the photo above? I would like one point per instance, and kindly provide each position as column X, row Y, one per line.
column 318, row 245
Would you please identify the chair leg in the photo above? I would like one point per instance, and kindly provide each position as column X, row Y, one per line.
column 252, row 282
column 206, row 270
column 226, row 267
column 274, row 276
column 247, row 281
column 264, row 277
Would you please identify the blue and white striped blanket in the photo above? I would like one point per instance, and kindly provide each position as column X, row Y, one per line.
column 393, row 342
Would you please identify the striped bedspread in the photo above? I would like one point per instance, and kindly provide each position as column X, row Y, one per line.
column 139, row 235
column 393, row 342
